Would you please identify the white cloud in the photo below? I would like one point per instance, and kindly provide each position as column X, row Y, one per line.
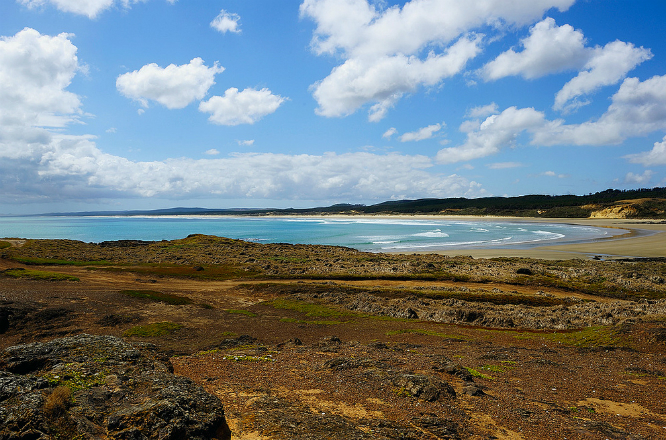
column 639, row 179
column 607, row 66
column 422, row 134
column 73, row 167
column 226, row 22
column 212, row 152
column 551, row 48
column 548, row 49
column 385, row 79
column 390, row 132
column 246, row 143
column 637, row 109
column 383, row 48
column 496, row 132
column 505, row 165
column 89, row 8
column 245, row 107
column 172, row 86
column 483, row 111
column 656, row 156
column 554, row 174
column 35, row 70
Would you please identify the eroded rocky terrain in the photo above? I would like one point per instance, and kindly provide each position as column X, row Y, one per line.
column 309, row 342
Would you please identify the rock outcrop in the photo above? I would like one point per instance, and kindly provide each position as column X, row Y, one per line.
column 100, row 387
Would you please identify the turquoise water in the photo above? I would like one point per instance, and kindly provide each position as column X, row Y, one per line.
column 367, row 234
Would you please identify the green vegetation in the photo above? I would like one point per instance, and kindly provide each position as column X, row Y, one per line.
column 5, row 244
column 299, row 321
column 423, row 332
column 589, row 337
column 472, row 296
column 34, row 261
column 309, row 309
column 39, row 275
column 649, row 203
column 174, row 300
column 475, row 373
column 495, row 368
column 248, row 358
column 74, row 379
column 153, row 330
column 241, row 312
column 217, row 272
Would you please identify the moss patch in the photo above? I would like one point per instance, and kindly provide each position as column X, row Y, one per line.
column 153, row 330
column 39, row 275
column 423, row 332
column 309, row 309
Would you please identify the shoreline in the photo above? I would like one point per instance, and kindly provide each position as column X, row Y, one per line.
column 644, row 238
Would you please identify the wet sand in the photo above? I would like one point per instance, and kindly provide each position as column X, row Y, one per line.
column 645, row 238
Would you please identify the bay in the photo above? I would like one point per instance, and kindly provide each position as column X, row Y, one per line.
column 363, row 233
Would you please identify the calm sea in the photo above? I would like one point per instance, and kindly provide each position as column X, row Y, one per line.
column 367, row 234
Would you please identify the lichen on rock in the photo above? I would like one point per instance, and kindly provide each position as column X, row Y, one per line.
column 92, row 387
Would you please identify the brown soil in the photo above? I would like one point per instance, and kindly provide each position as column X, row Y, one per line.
column 315, row 367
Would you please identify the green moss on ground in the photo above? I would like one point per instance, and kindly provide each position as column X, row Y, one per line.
column 174, row 300
column 153, row 330
column 39, row 275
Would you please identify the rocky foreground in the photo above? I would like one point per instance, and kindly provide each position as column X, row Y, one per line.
column 101, row 387
column 315, row 342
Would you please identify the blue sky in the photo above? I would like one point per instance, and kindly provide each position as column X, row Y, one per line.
column 125, row 104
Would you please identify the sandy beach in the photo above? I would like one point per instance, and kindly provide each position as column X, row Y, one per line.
column 645, row 238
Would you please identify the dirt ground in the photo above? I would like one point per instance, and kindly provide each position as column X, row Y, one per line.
column 292, row 367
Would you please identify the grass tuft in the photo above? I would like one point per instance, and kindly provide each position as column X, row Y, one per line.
column 153, row 330
column 39, row 275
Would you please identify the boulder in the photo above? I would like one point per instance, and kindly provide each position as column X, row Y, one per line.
column 93, row 387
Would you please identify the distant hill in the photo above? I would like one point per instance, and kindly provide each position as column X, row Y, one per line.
column 611, row 203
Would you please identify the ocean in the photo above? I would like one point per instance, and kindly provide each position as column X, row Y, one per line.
column 362, row 233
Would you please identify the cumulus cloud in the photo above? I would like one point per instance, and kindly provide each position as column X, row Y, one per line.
column 383, row 49
column 385, row 79
column 390, row 132
column 483, row 111
column 606, row 66
column 226, row 22
column 212, row 152
column 35, row 70
column 89, row 8
column 550, row 48
column 74, row 166
column 656, row 156
column 637, row 109
column 245, row 107
column 496, row 132
column 246, row 143
column 422, row 134
column 638, row 179
column 173, row 86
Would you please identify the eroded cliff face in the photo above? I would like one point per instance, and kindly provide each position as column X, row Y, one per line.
column 100, row 387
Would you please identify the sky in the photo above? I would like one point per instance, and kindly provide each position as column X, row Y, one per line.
column 146, row 104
